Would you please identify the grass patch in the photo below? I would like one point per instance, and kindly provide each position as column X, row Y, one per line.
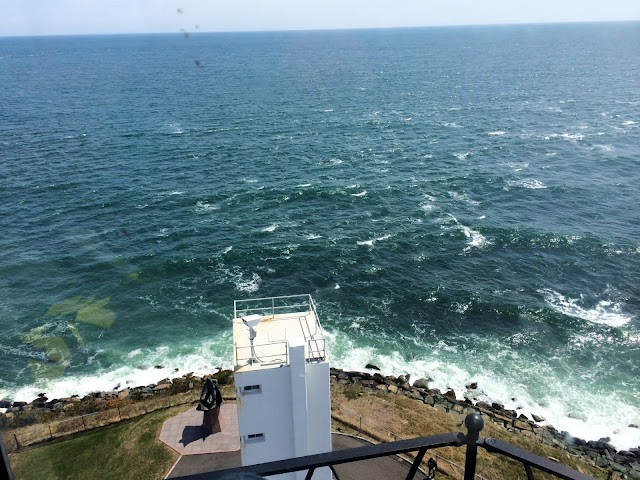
column 130, row 449
column 382, row 413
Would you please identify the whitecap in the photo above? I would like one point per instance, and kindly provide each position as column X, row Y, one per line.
column 605, row 312
column 366, row 242
column 361, row 194
column 336, row 287
column 497, row 133
column 572, row 136
column 629, row 122
column 531, row 184
column 252, row 285
column 476, row 239
column 335, row 161
column 270, row 228
column 206, row 207
column 176, row 128
column 312, row 236
column 370, row 243
column 461, row 155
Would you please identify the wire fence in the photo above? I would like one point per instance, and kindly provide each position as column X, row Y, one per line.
column 22, row 437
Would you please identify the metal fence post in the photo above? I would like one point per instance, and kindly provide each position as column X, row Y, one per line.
column 474, row 424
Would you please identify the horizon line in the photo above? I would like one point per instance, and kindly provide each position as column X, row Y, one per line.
column 337, row 29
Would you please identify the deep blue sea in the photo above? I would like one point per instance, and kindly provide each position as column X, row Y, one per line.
column 462, row 203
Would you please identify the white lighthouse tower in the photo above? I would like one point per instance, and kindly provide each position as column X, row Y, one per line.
column 282, row 380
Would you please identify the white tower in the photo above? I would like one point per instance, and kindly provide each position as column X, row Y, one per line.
column 282, row 381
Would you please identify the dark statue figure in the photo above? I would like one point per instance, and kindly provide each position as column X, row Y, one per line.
column 210, row 401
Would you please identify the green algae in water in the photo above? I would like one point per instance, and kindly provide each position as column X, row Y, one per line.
column 68, row 306
column 55, row 347
column 87, row 310
column 57, row 351
column 96, row 314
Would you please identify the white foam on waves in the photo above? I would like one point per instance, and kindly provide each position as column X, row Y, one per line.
column 605, row 312
column 568, row 407
column 203, row 358
column 497, row 133
column 476, row 239
column 529, row 183
column 374, row 240
column 206, row 207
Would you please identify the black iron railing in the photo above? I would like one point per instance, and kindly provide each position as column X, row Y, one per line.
column 471, row 440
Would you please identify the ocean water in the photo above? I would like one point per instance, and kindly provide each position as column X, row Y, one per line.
column 462, row 203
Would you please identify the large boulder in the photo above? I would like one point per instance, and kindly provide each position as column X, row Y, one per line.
column 450, row 394
column 421, row 383
column 371, row 366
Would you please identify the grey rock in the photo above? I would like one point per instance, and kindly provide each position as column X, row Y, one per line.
column 371, row 366
column 450, row 394
column 537, row 418
column 421, row 383
column 472, row 386
column 415, row 395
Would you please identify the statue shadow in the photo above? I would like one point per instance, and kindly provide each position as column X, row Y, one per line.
column 191, row 434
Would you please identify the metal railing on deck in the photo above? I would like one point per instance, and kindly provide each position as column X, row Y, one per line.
column 273, row 305
column 471, row 440
column 253, row 353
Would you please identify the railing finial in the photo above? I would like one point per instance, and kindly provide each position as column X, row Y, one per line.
column 474, row 423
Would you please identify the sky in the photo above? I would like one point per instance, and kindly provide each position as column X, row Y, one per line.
column 73, row 17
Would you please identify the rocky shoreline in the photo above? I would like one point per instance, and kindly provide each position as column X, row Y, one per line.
column 625, row 463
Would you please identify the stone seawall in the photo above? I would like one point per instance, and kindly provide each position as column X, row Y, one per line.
column 625, row 463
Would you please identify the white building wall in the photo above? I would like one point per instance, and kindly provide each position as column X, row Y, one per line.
column 319, row 407
column 319, row 413
column 267, row 412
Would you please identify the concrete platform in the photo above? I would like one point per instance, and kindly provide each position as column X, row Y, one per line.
column 184, row 432
column 381, row 468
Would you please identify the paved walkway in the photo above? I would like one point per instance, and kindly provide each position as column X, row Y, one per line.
column 185, row 435
column 382, row 468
